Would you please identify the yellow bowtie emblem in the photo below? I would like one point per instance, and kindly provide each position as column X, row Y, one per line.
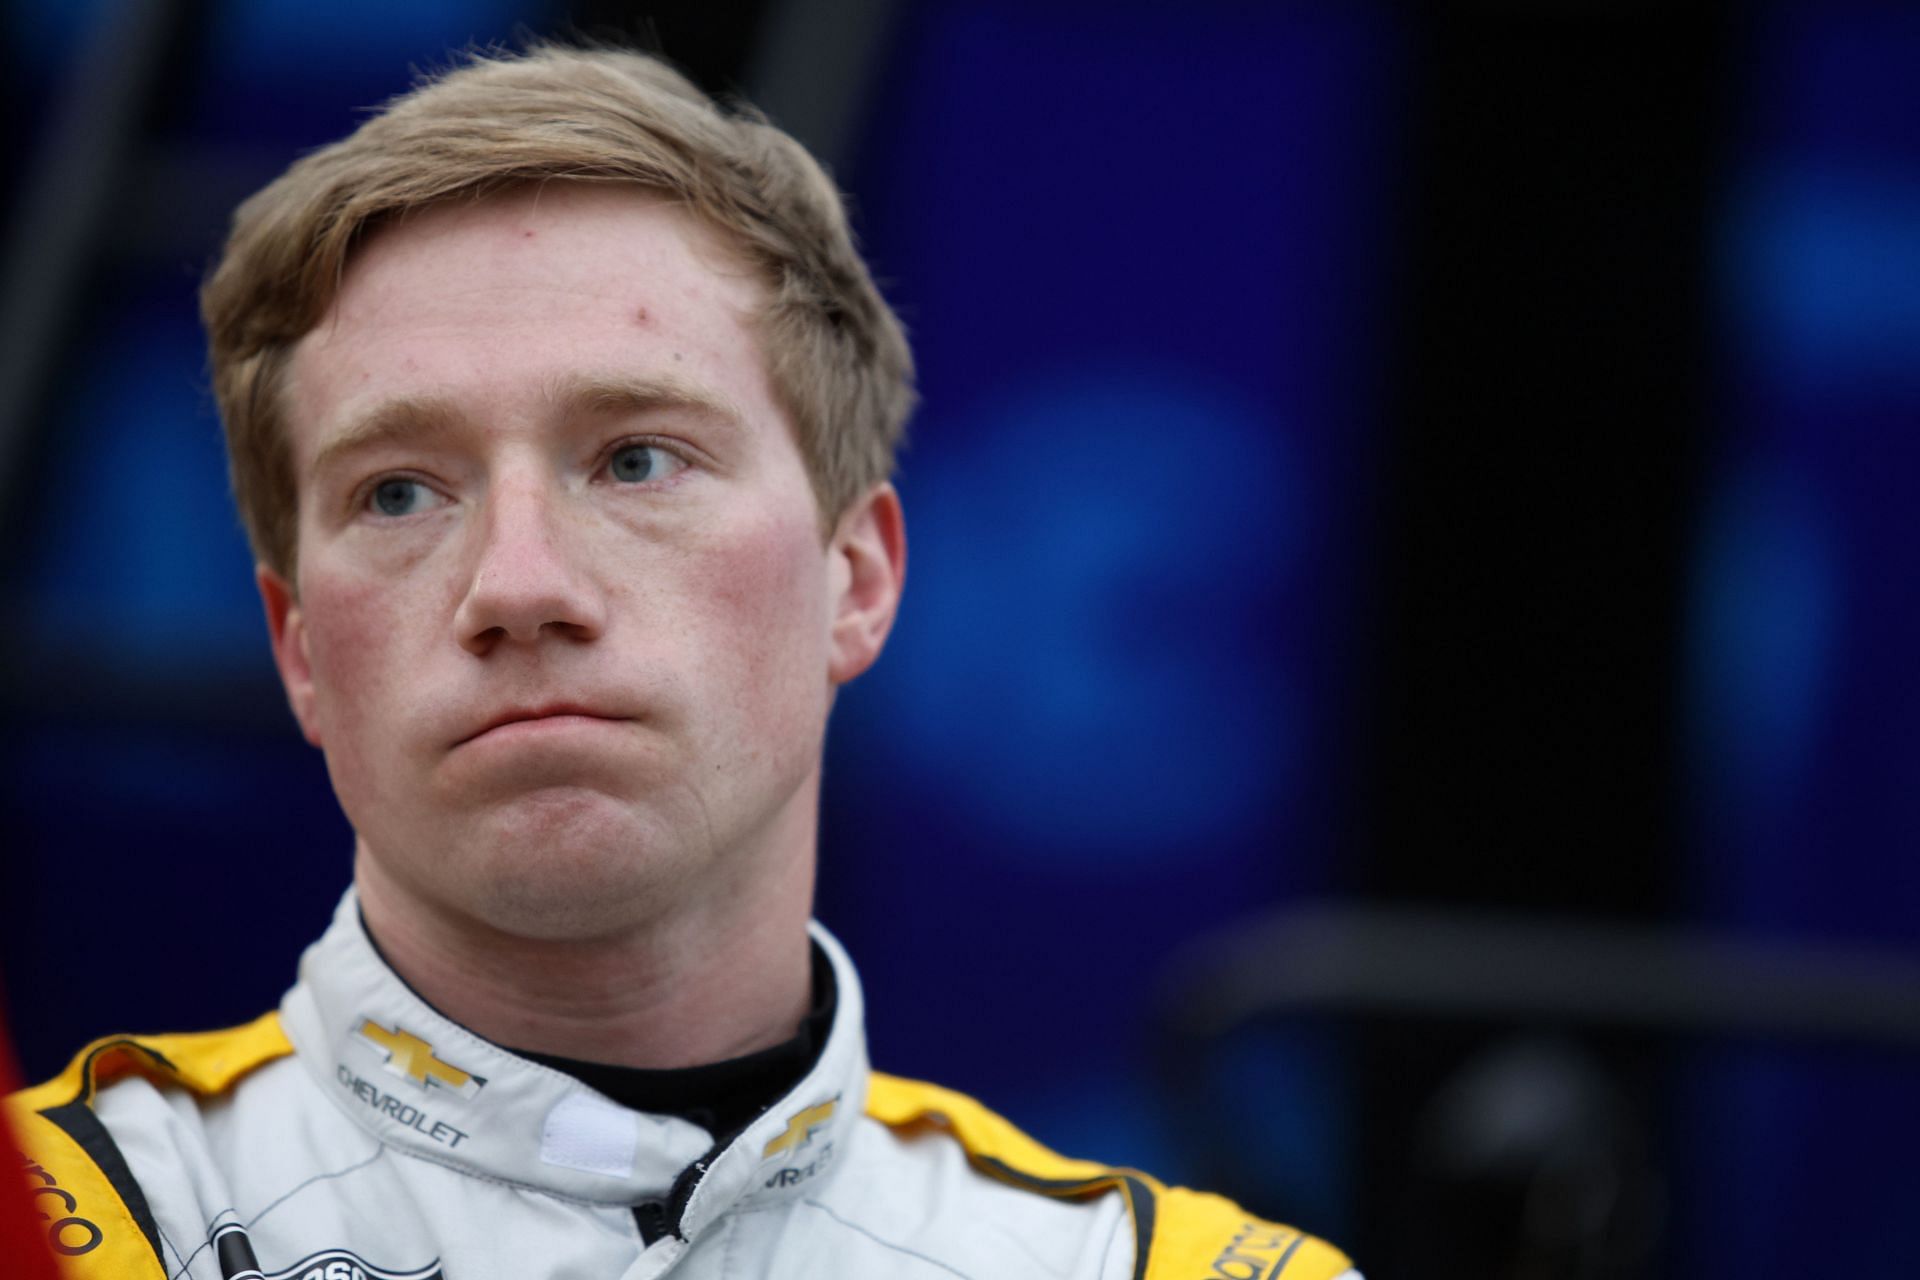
column 410, row 1056
column 802, row 1127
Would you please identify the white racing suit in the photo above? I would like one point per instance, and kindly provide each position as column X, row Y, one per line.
column 356, row 1134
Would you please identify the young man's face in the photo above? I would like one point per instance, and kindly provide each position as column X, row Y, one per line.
column 564, row 624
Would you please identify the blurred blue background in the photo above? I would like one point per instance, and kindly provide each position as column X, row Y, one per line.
column 1368, row 455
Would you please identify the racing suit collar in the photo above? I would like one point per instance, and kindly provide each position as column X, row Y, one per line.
column 428, row 1087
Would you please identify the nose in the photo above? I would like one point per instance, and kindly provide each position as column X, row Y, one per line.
column 529, row 579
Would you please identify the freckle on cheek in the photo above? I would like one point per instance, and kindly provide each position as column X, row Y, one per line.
column 641, row 318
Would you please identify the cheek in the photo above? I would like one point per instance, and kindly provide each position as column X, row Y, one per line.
column 767, row 600
column 351, row 637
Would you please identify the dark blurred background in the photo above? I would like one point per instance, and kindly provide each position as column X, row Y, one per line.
column 1406, row 707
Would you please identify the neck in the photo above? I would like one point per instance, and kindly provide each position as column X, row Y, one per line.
column 717, row 977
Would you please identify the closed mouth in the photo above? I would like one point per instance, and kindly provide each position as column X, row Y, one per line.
column 523, row 716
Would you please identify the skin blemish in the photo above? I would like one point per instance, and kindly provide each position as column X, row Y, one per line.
column 527, row 234
column 641, row 317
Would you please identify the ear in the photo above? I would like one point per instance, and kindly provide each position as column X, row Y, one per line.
column 868, row 568
column 288, row 630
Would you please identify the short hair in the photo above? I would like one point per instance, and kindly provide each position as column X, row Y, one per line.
column 837, row 355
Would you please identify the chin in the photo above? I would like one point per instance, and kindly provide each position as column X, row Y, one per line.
column 561, row 866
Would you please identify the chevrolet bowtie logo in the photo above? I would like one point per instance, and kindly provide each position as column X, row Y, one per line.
column 801, row 1128
column 410, row 1056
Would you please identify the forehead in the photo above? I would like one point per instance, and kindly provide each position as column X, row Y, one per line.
column 480, row 302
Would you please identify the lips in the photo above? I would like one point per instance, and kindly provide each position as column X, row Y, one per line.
column 521, row 715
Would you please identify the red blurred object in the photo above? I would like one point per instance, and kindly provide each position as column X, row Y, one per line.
column 23, row 1238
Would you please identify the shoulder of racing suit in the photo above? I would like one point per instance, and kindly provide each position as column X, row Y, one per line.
column 98, row 1222
column 98, row 1218
column 1178, row 1234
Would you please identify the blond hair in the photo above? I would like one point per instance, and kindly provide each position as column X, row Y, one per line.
column 836, row 354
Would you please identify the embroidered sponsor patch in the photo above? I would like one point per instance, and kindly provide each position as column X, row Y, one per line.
column 68, row 1234
column 408, row 1056
column 801, row 1128
column 794, row 1175
column 397, row 1109
column 1256, row 1251
column 338, row 1264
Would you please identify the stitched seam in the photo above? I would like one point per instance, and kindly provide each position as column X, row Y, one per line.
column 480, row 1175
column 214, row 1222
column 879, row 1240
column 1106, row 1254
column 727, row 1246
column 378, row 1151
column 777, row 1206
column 318, row 1177
column 168, row 1241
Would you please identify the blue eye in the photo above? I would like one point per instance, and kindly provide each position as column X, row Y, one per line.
column 399, row 496
column 638, row 463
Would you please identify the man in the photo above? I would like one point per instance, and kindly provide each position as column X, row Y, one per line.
column 561, row 412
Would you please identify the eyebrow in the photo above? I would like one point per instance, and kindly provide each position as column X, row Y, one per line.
column 401, row 419
column 581, row 394
column 418, row 419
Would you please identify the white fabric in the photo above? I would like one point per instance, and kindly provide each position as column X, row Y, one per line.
column 497, row 1167
column 592, row 1135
